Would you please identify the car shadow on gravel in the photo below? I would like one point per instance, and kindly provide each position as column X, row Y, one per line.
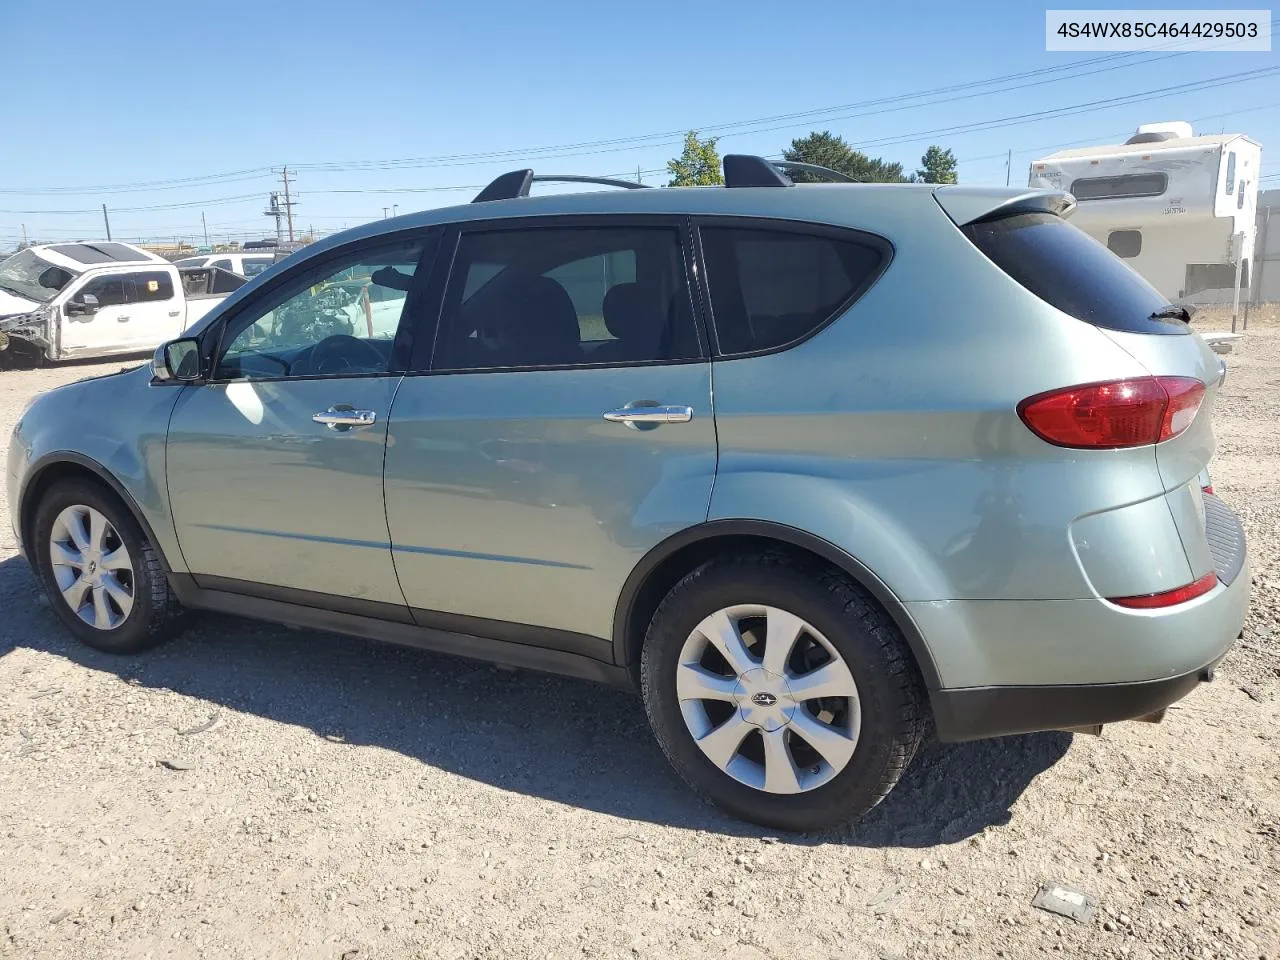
column 569, row 741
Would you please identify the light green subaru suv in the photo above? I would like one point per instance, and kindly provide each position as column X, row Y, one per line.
column 814, row 466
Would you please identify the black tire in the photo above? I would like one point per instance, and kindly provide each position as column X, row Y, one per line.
column 890, row 690
column 156, row 614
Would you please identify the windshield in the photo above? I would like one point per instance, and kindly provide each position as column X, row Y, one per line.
column 29, row 276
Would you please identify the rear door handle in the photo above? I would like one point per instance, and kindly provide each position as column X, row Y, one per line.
column 341, row 416
column 649, row 413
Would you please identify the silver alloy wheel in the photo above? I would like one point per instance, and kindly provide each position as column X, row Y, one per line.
column 768, row 699
column 92, row 567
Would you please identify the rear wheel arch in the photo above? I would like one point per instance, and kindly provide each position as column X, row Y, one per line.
column 60, row 467
column 668, row 562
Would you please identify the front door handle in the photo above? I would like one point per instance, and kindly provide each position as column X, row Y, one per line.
column 649, row 413
column 122, row 319
column 341, row 416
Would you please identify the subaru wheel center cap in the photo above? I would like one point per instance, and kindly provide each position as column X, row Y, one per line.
column 764, row 699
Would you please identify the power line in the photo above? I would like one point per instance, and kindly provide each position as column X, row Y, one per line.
column 1133, row 58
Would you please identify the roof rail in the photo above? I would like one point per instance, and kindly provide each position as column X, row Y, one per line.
column 745, row 170
column 516, row 183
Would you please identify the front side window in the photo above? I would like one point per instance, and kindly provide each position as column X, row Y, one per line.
column 109, row 291
column 575, row 296
column 770, row 288
column 335, row 320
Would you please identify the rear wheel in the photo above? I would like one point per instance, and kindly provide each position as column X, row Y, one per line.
column 782, row 693
column 103, row 577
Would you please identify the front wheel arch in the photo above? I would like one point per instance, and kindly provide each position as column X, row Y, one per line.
column 68, row 465
column 667, row 563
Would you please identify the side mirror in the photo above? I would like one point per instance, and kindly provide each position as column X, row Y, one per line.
column 177, row 360
column 82, row 306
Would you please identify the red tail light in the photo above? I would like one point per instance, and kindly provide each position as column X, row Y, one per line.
column 1121, row 413
column 1169, row 598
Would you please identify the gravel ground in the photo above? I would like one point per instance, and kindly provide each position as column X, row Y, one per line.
column 252, row 791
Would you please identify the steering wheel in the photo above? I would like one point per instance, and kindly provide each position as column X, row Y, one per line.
column 343, row 352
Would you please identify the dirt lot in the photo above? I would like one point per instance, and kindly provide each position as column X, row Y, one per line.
column 355, row 801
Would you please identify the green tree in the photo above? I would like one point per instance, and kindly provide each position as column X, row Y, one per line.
column 698, row 165
column 937, row 166
column 828, row 150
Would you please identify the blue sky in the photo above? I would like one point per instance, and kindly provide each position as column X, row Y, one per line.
column 112, row 102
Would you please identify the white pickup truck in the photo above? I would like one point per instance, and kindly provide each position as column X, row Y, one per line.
column 65, row 301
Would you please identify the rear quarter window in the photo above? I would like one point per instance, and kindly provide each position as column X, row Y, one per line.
column 1068, row 269
column 771, row 288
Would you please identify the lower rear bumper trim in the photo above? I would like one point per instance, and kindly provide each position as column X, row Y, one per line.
column 976, row 713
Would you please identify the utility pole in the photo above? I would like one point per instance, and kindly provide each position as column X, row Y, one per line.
column 384, row 212
column 1008, row 167
column 106, row 221
column 206, row 229
column 638, row 180
column 25, row 244
column 273, row 210
column 395, row 209
column 288, row 203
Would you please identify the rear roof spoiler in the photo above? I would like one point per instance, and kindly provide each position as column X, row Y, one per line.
column 965, row 205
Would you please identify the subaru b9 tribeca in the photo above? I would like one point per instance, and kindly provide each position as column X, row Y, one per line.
column 815, row 467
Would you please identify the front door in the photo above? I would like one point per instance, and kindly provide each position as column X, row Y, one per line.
column 95, row 318
column 275, row 466
column 562, row 429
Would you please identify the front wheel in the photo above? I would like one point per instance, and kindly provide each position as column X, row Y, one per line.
column 103, row 577
column 782, row 693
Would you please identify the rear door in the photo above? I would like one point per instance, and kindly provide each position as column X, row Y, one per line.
column 155, row 309
column 561, row 427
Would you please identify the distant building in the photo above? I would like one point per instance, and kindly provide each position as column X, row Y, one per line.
column 1182, row 209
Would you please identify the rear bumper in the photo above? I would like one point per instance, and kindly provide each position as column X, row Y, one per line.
column 1024, row 666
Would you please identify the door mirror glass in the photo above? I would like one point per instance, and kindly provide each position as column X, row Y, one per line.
column 177, row 360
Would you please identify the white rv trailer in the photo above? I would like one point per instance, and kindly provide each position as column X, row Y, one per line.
column 1179, row 208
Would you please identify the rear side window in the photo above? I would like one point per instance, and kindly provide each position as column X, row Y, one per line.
column 1068, row 269
column 770, row 288
column 151, row 286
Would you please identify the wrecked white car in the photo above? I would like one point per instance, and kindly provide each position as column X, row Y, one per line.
column 95, row 299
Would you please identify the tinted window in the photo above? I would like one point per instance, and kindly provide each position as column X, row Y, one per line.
column 110, row 291
column 566, row 297
column 773, row 287
column 223, row 263
column 255, row 266
column 1231, row 173
column 151, row 286
column 1068, row 269
column 190, row 262
column 336, row 320
column 1113, row 188
column 1125, row 243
